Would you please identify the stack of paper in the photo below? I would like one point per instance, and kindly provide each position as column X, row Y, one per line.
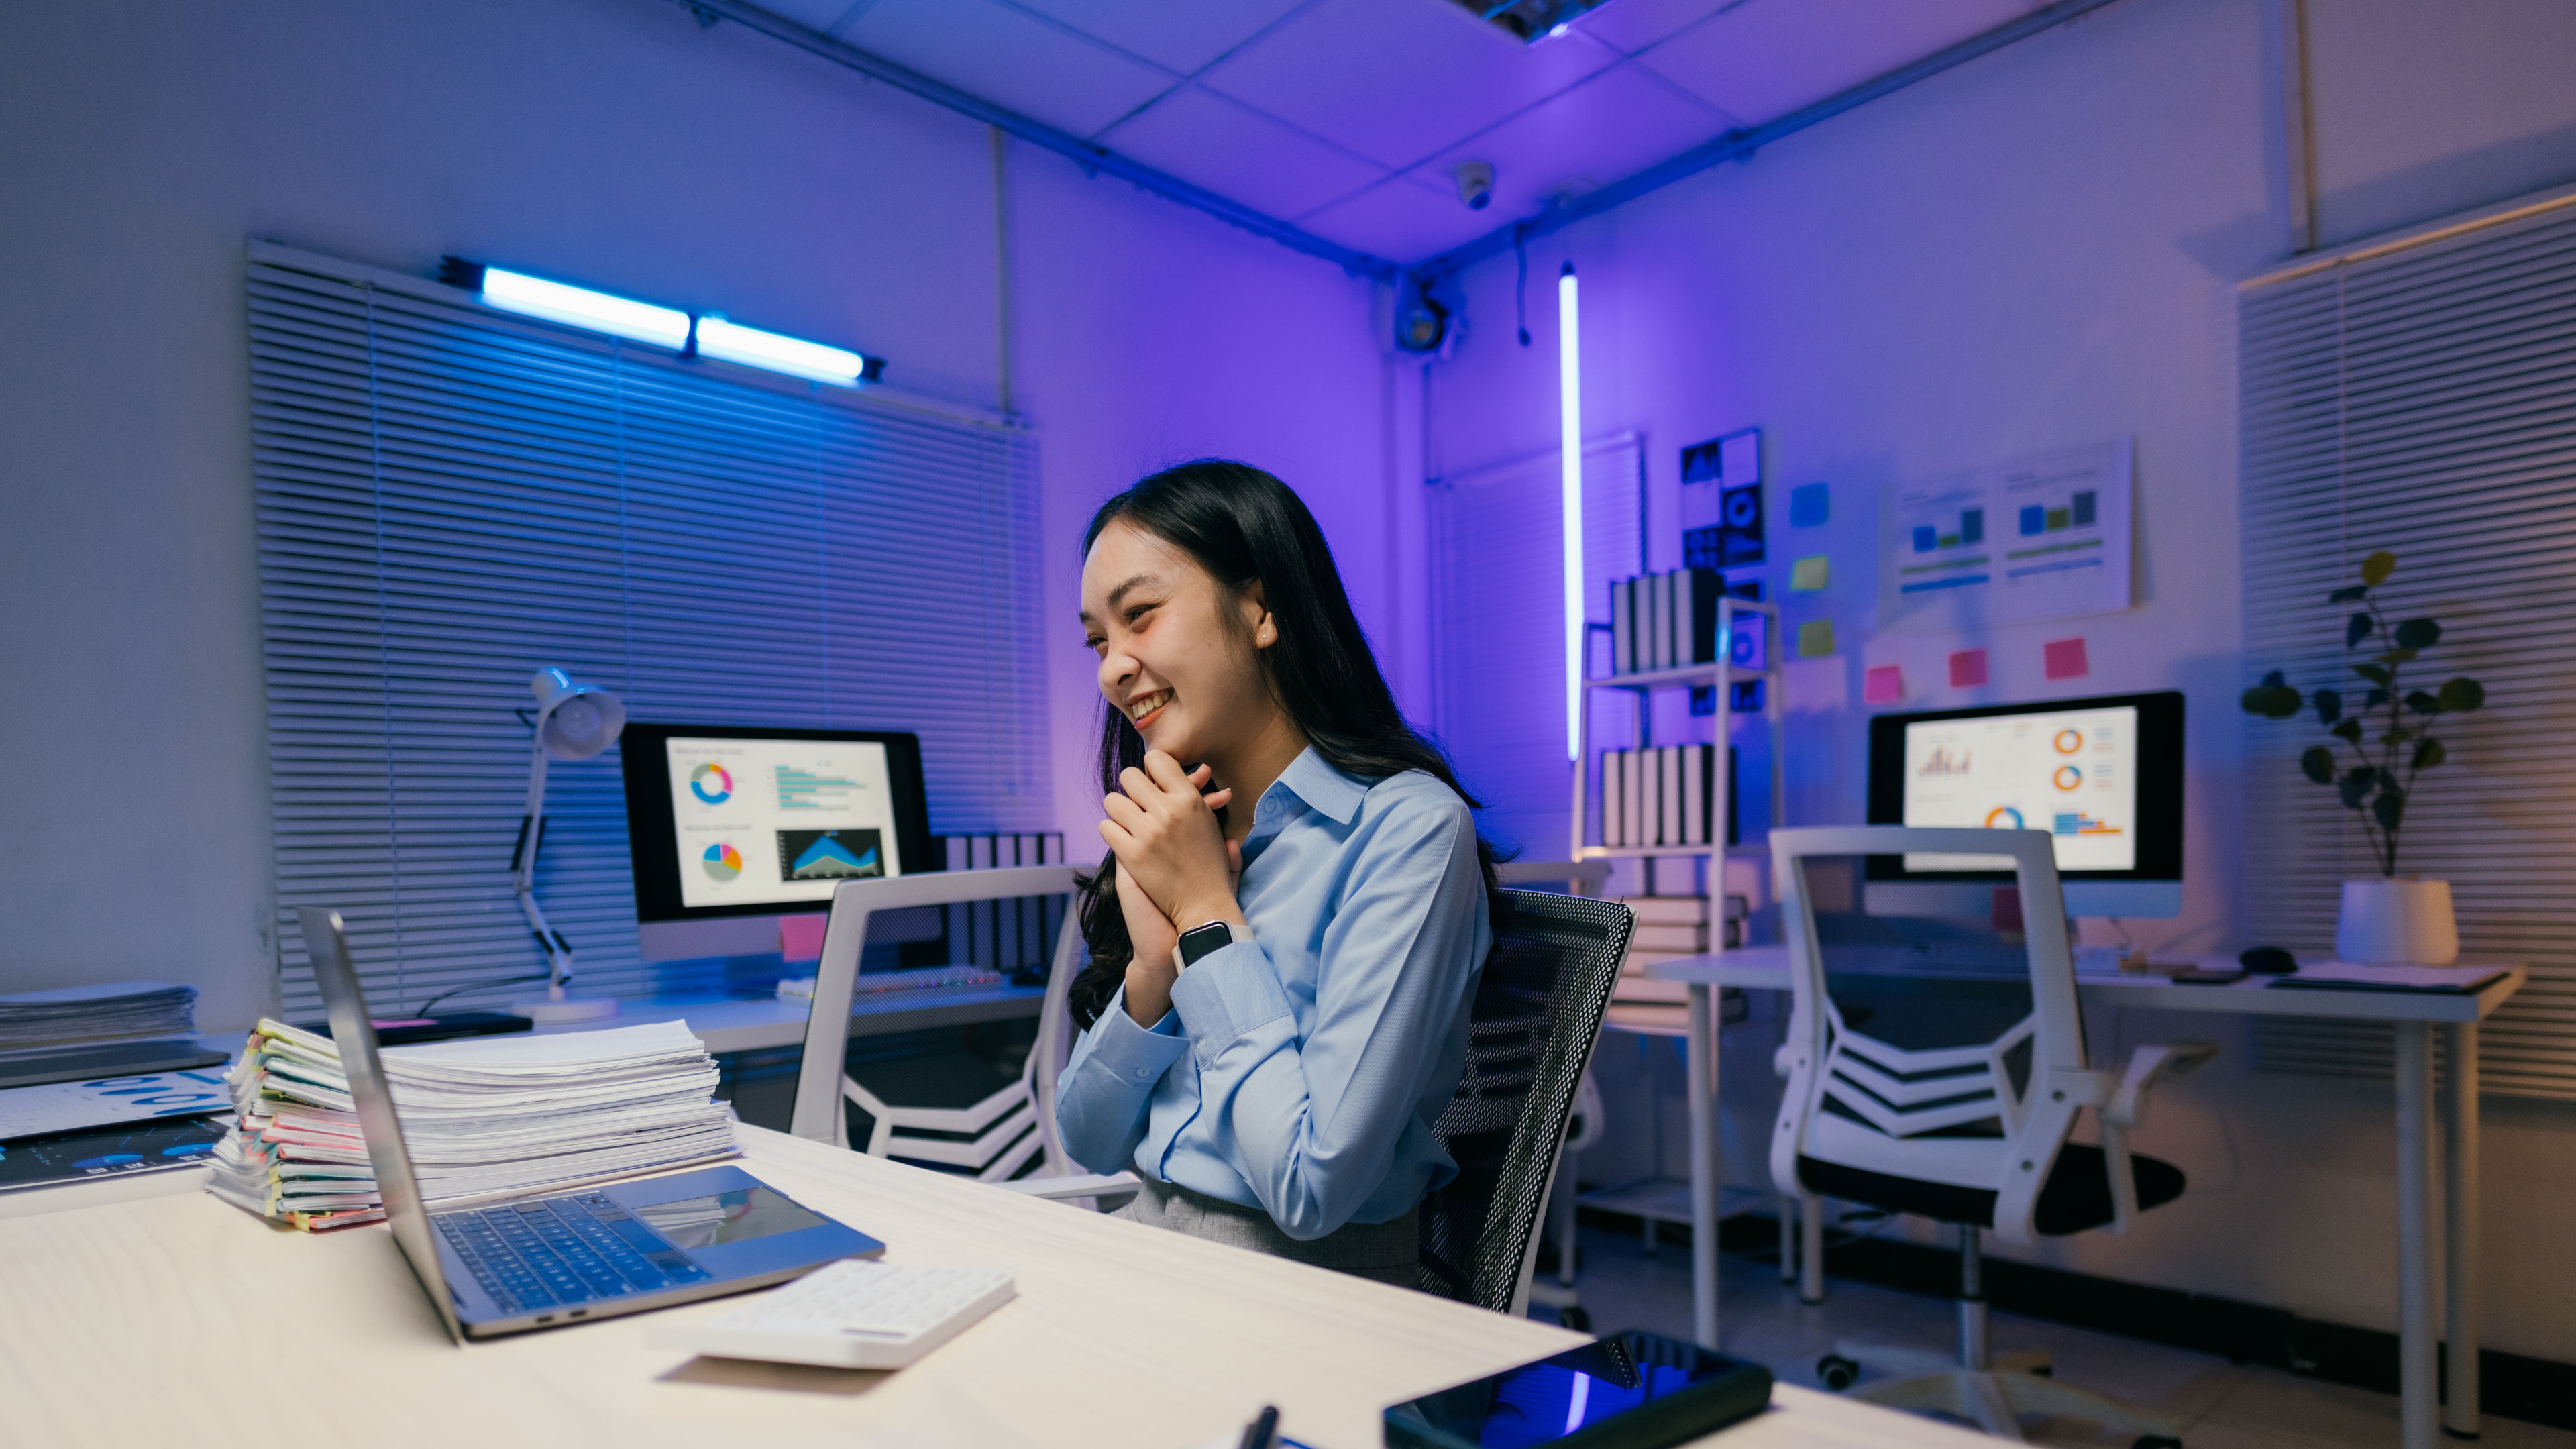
column 480, row 1115
column 77, row 1013
column 1668, row 928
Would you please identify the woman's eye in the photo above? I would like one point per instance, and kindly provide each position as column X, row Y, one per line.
column 1139, row 612
column 1093, row 643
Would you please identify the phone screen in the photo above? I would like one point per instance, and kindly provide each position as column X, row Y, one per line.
column 1554, row 1399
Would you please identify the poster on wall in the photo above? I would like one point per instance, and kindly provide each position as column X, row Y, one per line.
column 1722, row 502
column 2042, row 538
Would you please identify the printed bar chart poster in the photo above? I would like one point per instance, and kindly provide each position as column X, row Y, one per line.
column 762, row 821
column 2044, row 538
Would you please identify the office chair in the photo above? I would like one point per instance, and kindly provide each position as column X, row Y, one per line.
column 994, row 1134
column 1585, row 1129
column 1949, row 1093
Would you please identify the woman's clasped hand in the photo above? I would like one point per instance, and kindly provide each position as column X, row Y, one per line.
column 1176, row 869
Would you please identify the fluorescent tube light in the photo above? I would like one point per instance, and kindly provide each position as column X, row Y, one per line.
column 581, row 307
column 1569, row 402
column 793, row 356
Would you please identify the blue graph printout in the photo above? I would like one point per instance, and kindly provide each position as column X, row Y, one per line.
column 2042, row 538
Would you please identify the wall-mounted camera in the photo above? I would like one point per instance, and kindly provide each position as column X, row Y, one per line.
column 1475, row 183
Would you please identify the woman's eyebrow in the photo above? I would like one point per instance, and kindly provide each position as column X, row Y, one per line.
column 1120, row 592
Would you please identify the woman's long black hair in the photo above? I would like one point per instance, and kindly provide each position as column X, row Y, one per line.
column 1245, row 527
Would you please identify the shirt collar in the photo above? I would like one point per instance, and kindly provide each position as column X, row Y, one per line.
column 1325, row 790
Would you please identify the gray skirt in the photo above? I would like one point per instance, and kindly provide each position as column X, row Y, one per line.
column 1387, row 1252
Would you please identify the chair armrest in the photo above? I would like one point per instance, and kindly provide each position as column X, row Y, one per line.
column 1089, row 1184
column 2149, row 1065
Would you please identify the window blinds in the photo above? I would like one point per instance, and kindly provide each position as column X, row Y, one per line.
column 2422, row 399
column 450, row 498
column 1499, row 685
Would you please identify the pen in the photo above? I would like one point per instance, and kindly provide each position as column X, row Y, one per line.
column 1263, row 1431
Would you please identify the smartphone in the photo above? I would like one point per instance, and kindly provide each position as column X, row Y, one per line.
column 1633, row 1390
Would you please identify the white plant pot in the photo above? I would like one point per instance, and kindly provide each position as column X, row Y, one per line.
column 2398, row 921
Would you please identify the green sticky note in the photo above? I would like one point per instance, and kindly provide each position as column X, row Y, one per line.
column 1815, row 638
column 1809, row 575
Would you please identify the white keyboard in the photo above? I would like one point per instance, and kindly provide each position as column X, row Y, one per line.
column 852, row 1314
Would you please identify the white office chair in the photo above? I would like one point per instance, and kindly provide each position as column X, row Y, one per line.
column 1952, row 1097
column 994, row 1137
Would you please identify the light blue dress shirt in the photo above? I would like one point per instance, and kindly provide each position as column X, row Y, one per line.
column 1301, row 1071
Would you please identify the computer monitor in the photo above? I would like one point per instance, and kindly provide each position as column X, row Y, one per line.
column 733, row 829
column 2102, row 775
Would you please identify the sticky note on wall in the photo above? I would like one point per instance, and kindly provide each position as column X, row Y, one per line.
column 1967, row 668
column 1811, row 574
column 1810, row 504
column 2065, row 658
column 1884, row 684
column 1816, row 639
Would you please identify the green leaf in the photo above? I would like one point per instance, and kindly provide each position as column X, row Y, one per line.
column 2375, row 673
column 2357, row 628
column 2274, row 680
column 2356, row 786
column 2375, row 699
column 2318, row 764
column 2388, row 809
column 2348, row 730
column 2272, row 701
column 2462, row 693
column 2376, row 568
column 2397, row 656
column 2347, row 595
column 2427, row 754
column 2417, row 634
column 2329, row 706
column 2396, row 737
column 2422, row 703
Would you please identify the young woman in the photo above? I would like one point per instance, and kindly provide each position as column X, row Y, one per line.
column 1285, row 942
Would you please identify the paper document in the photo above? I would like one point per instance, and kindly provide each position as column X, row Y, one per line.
column 2345, row 976
column 71, row 1106
column 2043, row 538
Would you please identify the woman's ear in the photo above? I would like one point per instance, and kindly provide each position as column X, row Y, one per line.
column 1256, row 609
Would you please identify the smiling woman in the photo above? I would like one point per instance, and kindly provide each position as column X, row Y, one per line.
column 1297, row 900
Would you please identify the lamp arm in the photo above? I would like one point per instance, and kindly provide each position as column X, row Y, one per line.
column 523, row 869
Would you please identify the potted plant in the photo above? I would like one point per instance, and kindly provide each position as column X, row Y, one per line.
column 2386, row 742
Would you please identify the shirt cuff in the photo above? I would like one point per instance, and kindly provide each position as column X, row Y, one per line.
column 1133, row 1053
column 1229, row 992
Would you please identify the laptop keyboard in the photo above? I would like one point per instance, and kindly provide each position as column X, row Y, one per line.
column 562, row 1252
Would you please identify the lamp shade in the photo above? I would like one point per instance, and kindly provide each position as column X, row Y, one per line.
column 574, row 721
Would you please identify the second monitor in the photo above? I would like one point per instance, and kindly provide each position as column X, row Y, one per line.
column 2103, row 776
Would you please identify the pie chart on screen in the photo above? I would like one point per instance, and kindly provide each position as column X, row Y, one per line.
column 721, row 862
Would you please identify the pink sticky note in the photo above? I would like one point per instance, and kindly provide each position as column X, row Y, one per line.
column 1967, row 668
column 2065, row 658
column 800, row 938
column 1884, row 684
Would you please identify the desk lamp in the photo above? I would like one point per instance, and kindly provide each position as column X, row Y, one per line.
column 574, row 722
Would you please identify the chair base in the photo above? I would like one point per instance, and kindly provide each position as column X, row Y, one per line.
column 1998, row 1399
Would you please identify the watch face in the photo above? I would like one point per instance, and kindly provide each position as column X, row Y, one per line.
column 1200, row 940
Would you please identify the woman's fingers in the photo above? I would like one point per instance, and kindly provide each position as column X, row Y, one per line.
column 1216, row 799
column 1167, row 772
column 1124, row 811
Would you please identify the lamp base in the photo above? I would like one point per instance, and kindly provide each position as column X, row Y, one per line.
column 569, row 1008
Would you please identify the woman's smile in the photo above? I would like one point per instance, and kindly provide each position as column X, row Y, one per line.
column 1145, row 707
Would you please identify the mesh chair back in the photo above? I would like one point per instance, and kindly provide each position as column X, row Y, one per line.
column 1536, row 1015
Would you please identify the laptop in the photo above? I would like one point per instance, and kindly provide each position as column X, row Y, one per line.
column 507, row 1264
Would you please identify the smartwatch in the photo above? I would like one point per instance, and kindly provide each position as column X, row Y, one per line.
column 1200, row 940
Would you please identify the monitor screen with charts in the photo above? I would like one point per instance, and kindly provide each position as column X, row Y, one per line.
column 2102, row 776
column 730, row 823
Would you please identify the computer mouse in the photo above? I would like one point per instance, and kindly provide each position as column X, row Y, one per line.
column 2268, row 961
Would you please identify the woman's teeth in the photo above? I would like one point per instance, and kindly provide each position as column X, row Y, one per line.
column 1149, row 704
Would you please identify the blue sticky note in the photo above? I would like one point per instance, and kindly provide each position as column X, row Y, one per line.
column 1809, row 505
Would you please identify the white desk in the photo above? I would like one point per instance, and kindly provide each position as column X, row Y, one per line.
column 2412, row 1013
column 182, row 1320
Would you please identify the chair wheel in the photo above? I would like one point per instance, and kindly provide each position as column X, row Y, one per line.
column 1575, row 1318
column 2049, row 1371
column 1839, row 1373
column 2156, row 1441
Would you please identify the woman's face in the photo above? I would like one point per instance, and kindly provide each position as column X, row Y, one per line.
column 1179, row 655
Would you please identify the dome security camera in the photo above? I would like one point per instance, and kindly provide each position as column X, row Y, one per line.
column 1475, row 183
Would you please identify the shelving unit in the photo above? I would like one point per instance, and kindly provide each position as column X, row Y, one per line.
column 1669, row 1199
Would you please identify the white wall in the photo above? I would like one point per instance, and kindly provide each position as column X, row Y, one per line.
column 2040, row 250
column 612, row 141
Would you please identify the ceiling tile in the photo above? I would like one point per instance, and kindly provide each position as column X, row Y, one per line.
column 1632, row 25
column 1009, row 58
column 1615, row 124
column 1236, row 151
column 1401, row 220
column 1766, row 58
column 1182, row 34
column 1398, row 80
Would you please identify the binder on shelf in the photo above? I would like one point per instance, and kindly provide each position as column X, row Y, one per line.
column 1695, row 794
column 1668, row 780
column 1634, row 781
column 1623, row 626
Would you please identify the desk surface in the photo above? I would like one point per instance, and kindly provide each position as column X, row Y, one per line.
column 740, row 1023
column 181, row 1319
column 1766, row 968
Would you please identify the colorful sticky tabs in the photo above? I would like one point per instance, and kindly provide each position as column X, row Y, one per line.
column 1810, row 575
column 1815, row 638
column 1883, row 684
column 1809, row 505
column 2065, row 658
column 1967, row 668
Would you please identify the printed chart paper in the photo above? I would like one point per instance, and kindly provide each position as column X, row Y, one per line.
column 71, row 1106
column 2043, row 538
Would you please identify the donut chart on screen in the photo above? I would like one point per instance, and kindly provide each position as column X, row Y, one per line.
column 711, row 783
